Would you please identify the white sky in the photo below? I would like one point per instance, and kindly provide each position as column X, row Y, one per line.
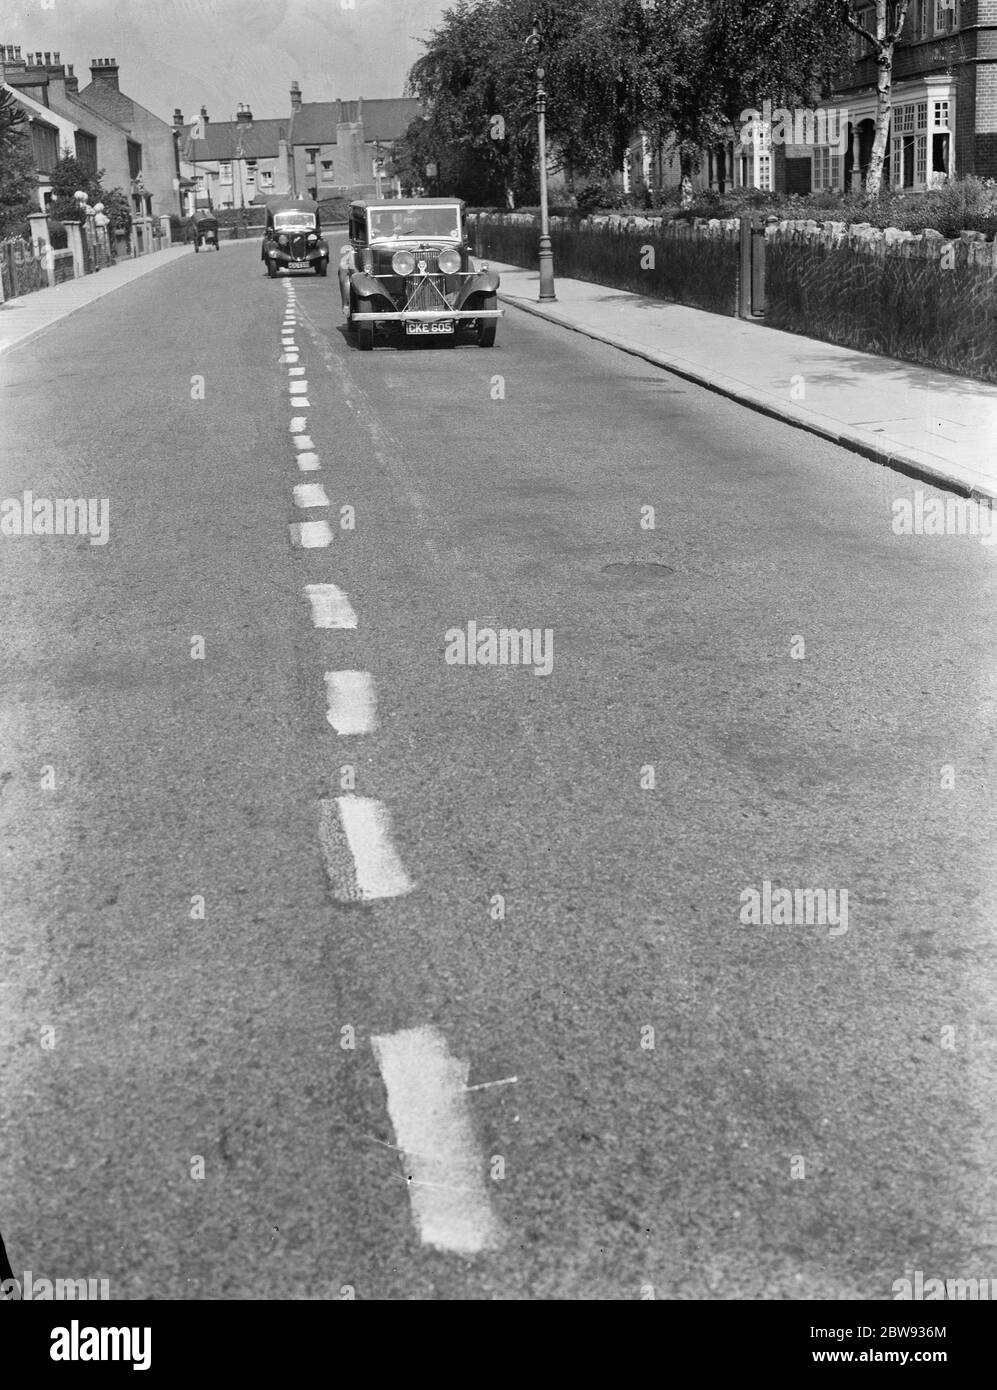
column 222, row 52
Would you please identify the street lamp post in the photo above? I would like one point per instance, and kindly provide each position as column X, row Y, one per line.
column 546, row 251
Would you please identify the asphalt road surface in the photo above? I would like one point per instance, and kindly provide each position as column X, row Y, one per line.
column 330, row 965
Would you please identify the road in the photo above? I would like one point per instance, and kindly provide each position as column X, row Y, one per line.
column 406, row 1051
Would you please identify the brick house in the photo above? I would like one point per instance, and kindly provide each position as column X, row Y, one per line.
column 336, row 145
column 944, row 119
column 232, row 162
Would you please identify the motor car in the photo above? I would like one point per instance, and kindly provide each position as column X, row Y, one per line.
column 407, row 271
column 293, row 238
column 205, row 230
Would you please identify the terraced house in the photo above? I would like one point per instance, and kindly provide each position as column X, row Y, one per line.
column 944, row 121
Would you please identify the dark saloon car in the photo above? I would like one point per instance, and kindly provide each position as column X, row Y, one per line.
column 408, row 271
column 293, row 238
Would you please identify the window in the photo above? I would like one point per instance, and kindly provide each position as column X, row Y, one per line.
column 86, row 151
column 225, row 172
column 327, row 171
column 826, row 168
column 251, row 171
column 941, row 115
column 765, row 171
column 266, row 178
column 946, row 16
column 310, row 158
column 134, row 159
column 860, row 48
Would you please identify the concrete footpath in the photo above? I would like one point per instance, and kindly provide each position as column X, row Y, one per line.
column 30, row 314
column 924, row 422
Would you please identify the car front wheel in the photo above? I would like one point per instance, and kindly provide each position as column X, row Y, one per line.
column 365, row 336
column 272, row 269
column 487, row 327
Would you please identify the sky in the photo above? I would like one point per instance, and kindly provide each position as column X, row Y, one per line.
column 218, row 53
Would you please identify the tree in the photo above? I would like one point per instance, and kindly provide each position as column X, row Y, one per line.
column 69, row 176
column 17, row 165
column 890, row 17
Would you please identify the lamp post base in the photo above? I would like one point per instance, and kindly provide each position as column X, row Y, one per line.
column 546, row 271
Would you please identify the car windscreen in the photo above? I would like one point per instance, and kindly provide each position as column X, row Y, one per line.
column 294, row 221
column 388, row 223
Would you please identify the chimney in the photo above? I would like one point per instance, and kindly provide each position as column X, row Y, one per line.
column 72, row 82
column 244, row 115
column 295, row 96
column 48, row 60
column 204, row 117
column 104, row 73
column 177, row 118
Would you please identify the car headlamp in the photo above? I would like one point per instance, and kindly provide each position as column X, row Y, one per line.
column 403, row 263
column 312, row 236
column 282, row 239
column 449, row 262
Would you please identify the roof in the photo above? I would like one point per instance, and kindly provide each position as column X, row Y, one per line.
column 290, row 205
column 390, row 204
column 238, row 140
column 383, row 119
column 113, row 105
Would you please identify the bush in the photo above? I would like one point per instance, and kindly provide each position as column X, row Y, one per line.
column 57, row 235
column 598, row 197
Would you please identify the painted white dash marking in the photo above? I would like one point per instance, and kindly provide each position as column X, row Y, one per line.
column 360, row 859
column 431, row 1117
column 311, row 535
column 303, row 441
column 310, row 495
column 296, row 371
column 286, row 357
column 298, row 423
column 330, row 606
column 298, row 388
column 350, row 699
column 308, row 461
column 301, row 400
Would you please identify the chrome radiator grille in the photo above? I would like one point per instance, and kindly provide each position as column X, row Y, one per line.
column 425, row 292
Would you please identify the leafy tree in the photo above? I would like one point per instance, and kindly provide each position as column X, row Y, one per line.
column 68, row 177
column 18, row 182
column 882, row 40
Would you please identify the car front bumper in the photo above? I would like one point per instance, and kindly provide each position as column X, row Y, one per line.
column 425, row 315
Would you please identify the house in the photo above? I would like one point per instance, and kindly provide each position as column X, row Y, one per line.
column 944, row 118
column 101, row 127
column 232, row 162
column 345, row 146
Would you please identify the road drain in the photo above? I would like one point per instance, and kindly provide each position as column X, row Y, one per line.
column 646, row 570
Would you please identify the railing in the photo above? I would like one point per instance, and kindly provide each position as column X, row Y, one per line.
column 21, row 269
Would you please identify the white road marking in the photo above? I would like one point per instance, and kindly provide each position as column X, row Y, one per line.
column 298, row 388
column 310, row 495
column 330, row 606
column 431, row 1118
column 360, row 860
column 298, row 423
column 286, row 357
column 350, row 697
column 311, row 535
column 308, row 462
column 300, row 400
column 303, row 441
column 296, row 371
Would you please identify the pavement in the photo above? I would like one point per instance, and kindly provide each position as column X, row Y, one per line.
column 925, row 422
column 30, row 314
column 334, row 961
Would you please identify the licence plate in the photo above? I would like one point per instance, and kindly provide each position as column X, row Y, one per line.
column 297, row 265
column 432, row 326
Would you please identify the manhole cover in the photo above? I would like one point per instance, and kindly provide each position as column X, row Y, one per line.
column 638, row 569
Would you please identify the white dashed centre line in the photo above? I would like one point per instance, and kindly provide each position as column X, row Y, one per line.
column 310, row 495
column 360, row 860
column 350, row 697
column 308, row 462
column 296, row 371
column 310, row 535
column 303, row 441
column 431, row 1117
column 298, row 423
column 298, row 388
column 330, row 606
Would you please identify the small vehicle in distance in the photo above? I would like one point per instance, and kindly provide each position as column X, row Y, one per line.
column 293, row 238
column 205, row 230
column 408, row 270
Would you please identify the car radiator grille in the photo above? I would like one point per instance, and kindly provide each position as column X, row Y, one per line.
column 425, row 291
column 298, row 247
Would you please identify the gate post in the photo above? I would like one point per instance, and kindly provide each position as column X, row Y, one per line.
column 744, row 270
column 751, row 268
column 74, row 240
column 42, row 245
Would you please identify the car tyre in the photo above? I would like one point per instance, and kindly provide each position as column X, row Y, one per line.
column 321, row 267
column 365, row 336
column 272, row 269
column 487, row 327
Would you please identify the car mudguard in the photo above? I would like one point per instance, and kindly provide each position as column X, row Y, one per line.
column 485, row 282
column 366, row 287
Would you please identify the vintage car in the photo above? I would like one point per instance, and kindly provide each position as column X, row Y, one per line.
column 408, row 269
column 293, row 237
column 205, row 229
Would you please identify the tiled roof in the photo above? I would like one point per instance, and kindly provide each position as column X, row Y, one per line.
column 239, row 139
column 385, row 119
